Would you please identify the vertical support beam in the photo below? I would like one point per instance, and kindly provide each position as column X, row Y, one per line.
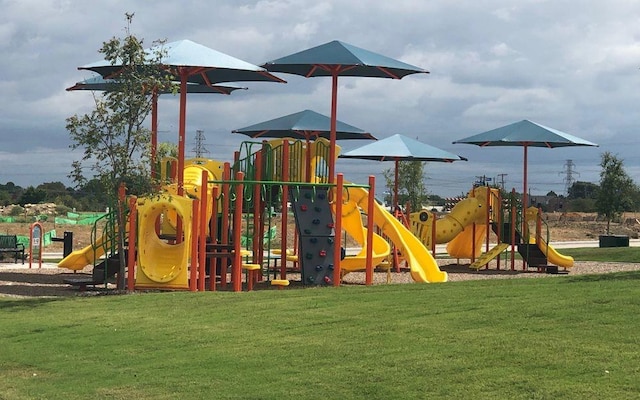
column 370, row 211
column 337, row 252
column 133, row 235
column 202, row 231
column 236, row 268
column 193, row 268
column 285, row 201
column 226, row 176
column 334, row 117
column 213, row 231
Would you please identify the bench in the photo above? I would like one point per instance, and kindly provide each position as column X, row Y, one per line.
column 9, row 244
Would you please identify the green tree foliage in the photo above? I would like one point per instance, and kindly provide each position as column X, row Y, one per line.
column 617, row 189
column 583, row 190
column 113, row 136
column 32, row 196
column 411, row 186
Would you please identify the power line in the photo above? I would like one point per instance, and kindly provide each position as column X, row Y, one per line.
column 200, row 148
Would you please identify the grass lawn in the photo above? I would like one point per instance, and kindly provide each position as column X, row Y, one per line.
column 566, row 337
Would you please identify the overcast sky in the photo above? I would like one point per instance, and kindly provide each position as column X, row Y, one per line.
column 569, row 64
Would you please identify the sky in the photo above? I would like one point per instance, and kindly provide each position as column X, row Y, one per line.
column 568, row 64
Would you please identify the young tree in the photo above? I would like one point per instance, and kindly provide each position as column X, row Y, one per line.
column 617, row 189
column 112, row 136
column 411, row 187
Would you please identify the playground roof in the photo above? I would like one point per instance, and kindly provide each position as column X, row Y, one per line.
column 307, row 124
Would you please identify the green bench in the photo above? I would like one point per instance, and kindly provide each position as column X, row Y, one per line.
column 9, row 244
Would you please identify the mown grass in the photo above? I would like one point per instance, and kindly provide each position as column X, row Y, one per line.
column 570, row 337
column 610, row 254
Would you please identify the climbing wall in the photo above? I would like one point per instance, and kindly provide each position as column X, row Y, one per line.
column 314, row 221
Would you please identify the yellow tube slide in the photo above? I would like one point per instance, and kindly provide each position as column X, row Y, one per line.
column 422, row 265
column 352, row 224
column 161, row 264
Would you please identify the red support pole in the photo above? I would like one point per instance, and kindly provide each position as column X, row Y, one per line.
column 154, row 133
column 334, row 118
column 133, row 234
column 202, row 231
column 236, row 268
column 434, row 233
column 226, row 176
column 182, row 128
column 370, row 211
column 285, row 201
column 193, row 268
column 213, row 229
column 513, row 229
column 258, row 223
column 337, row 250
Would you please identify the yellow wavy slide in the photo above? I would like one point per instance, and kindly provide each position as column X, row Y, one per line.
column 422, row 265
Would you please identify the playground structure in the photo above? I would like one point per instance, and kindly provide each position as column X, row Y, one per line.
column 221, row 225
column 472, row 221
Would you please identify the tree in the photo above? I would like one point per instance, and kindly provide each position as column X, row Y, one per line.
column 617, row 189
column 582, row 190
column 411, row 187
column 113, row 137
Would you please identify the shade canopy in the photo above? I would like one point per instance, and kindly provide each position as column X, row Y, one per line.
column 305, row 124
column 188, row 61
column 98, row 83
column 206, row 66
column 351, row 60
column 401, row 148
column 335, row 59
column 525, row 134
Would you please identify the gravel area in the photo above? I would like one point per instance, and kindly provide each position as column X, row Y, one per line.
column 18, row 280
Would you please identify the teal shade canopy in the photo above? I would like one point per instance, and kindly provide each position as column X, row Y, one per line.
column 525, row 133
column 354, row 61
column 401, row 148
column 98, row 83
column 206, row 66
column 305, row 124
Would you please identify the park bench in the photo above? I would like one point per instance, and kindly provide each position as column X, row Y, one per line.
column 9, row 244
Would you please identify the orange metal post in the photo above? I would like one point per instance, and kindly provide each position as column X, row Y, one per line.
column 370, row 211
column 193, row 268
column 285, row 201
column 236, row 272
column 213, row 229
column 202, row 231
column 513, row 229
column 337, row 250
column 434, row 233
column 133, row 234
column 226, row 176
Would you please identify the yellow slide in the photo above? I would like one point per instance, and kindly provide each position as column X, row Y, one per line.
column 79, row 259
column 352, row 224
column 422, row 265
column 553, row 256
column 463, row 244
